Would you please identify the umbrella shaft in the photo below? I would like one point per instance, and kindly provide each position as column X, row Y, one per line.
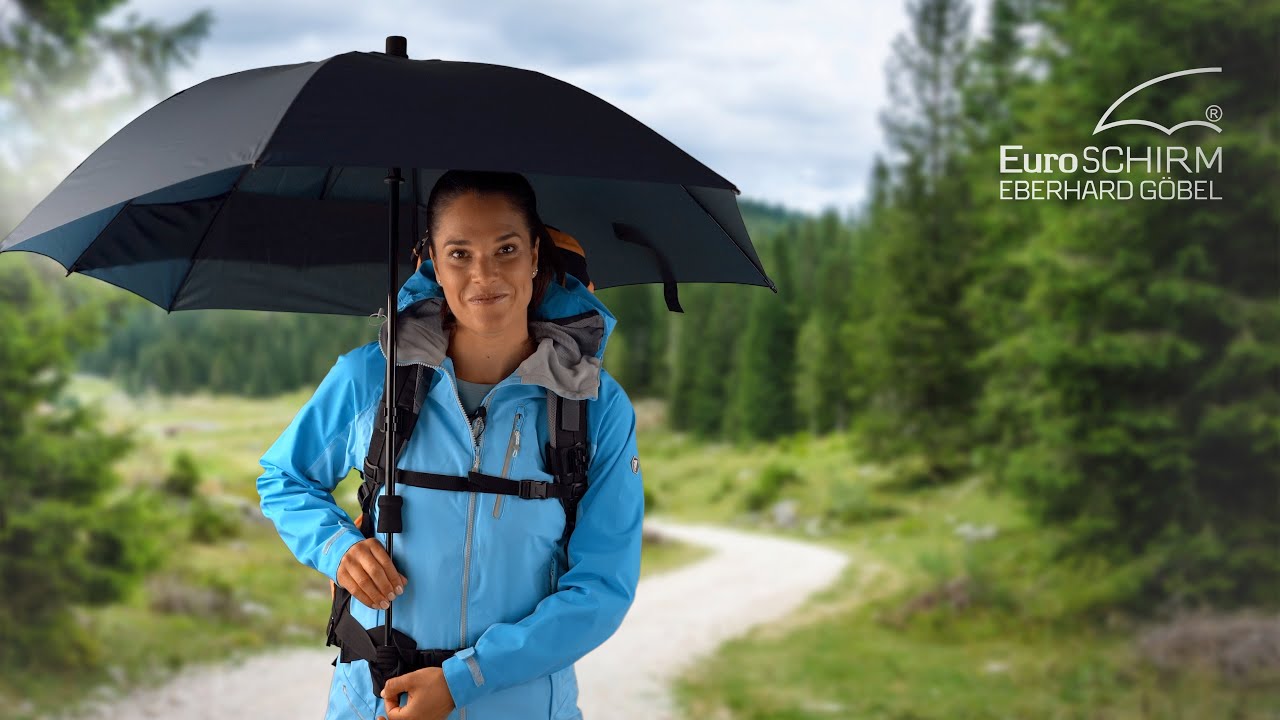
column 393, row 181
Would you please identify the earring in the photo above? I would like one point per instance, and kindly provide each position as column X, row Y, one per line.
column 535, row 272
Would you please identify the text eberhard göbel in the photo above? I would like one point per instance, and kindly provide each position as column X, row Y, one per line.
column 1111, row 160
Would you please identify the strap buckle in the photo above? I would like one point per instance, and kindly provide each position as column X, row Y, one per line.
column 578, row 459
column 368, row 488
column 533, row 490
column 571, row 460
column 399, row 418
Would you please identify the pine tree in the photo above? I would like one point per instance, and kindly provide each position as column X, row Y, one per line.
column 61, row 542
column 916, row 340
column 761, row 390
column 634, row 308
column 817, row 394
column 713, row 355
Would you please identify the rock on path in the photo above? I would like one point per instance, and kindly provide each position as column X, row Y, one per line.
column 678, row 617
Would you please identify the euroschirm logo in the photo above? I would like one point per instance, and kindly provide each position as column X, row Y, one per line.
column 1213, row 112
column 1121, row 161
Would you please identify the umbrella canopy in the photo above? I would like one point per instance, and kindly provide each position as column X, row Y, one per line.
column 264, row 189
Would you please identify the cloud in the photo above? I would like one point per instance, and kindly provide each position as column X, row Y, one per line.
column 780, row 98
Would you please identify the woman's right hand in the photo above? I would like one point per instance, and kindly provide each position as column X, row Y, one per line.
column 367, row 573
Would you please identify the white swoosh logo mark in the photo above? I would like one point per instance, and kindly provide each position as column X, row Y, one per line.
column 1167, row 131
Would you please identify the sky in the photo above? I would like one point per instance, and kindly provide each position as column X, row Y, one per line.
column 782, row 98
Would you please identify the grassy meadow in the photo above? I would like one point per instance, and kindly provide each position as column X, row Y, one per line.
column 950, row 608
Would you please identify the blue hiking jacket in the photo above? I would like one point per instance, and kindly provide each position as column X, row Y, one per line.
column 486, row 573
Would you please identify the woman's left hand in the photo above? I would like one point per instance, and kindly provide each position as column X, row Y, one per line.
column 429, row 697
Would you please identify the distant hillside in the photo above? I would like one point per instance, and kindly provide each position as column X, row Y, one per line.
column 764, row 219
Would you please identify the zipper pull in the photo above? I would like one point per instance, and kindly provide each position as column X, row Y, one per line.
column 477, row 429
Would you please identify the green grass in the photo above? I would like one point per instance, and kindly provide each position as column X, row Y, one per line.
column 1029, row 643
column 667, row 555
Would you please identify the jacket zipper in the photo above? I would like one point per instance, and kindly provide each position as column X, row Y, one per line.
column 513, row 448
column 477, row 440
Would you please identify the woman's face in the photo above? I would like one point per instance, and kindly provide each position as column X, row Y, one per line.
column 484, row 261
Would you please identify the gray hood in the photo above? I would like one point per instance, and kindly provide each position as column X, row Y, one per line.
column 566, row 359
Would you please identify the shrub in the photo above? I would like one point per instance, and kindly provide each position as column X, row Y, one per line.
column 172, row 595
column 918, row 472
column 650, row 501
column 723, row 489
column 850, row 503
column 211, row 523
column 184, row 477
column 769, row 485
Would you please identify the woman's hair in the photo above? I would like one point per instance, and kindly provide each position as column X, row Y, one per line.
column 513, row 186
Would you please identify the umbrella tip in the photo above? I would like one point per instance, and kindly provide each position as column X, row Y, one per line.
column 397, row 46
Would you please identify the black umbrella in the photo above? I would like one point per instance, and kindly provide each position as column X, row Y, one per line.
column 268, row 189
column 264, row 189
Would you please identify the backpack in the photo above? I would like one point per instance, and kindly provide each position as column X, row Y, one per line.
column 571, row 255
column 566, row 459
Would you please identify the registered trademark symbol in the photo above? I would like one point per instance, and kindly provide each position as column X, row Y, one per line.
column 1213, row 113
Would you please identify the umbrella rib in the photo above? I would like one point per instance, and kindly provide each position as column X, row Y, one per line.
column 72, row 267
column 266, row 145
column 330, row 182
column 754, row 264
column 324, row 184
column 204, row 236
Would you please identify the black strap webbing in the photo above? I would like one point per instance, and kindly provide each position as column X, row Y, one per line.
column 386, row 661
column 670, row 291
column 410, row 391
column 479, row 482
column 567, row 453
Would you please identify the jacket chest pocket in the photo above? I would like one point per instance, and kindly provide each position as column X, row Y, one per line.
column 513, row 450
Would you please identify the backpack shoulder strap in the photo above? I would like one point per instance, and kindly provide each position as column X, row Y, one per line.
column 411, row 384
column 567, row 453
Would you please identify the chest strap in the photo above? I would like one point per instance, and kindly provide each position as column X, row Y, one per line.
column 479, row 482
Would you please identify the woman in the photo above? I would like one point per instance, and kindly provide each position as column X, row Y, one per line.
column 482, row 573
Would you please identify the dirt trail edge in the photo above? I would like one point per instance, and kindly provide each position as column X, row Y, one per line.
column 682, row 616
column 678, row 618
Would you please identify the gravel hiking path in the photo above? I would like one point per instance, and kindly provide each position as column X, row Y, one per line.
column 678, row 618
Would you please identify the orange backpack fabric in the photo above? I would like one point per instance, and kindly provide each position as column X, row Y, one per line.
column 572, row 255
